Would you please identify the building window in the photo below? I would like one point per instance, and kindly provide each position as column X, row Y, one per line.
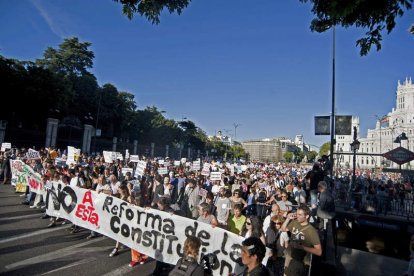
column 362, row 161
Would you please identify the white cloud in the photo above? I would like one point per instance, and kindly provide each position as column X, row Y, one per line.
column 54, row 27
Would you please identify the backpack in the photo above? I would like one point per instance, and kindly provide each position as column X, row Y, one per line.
column 184, row 266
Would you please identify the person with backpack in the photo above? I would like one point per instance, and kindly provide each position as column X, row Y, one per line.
column 188, row 265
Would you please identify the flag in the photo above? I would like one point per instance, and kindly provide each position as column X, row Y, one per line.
column 385, row 121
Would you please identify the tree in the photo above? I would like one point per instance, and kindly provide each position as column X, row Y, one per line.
column 237, row 151
column 72, row 58
column 311, row 155
column 374, row 15
column 367, row 14
column 324, row 149
column 151, row 9
column 288, row 156
column 299, row 156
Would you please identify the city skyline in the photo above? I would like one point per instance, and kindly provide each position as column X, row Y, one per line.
column 223, row 63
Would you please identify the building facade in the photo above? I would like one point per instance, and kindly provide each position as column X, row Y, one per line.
column 273, row 149
column 381, row 139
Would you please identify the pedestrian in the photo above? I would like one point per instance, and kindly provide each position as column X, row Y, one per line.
column 188, row 265
column 304, row 241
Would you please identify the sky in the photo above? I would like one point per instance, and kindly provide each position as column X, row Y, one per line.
column 221, row 63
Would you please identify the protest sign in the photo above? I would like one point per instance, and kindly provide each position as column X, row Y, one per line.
column 177, row 163
column 60, row 162
column 141, row 166
column 134, row 158
column 215, row 176
column 32, row 154
column 23, row 175
column 5, row 146
column 126, row 154
column 206, row 169
column 162, row 171
column 119, row 156
column 183, row 160
column 73, row 155
column 157, row 234
column 196, row 165
column 125, row 170
column 161, row 161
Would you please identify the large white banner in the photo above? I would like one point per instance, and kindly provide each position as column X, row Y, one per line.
column 158, row 234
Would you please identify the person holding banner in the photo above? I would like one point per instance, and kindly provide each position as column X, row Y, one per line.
column 125, row 196
column 206, row 216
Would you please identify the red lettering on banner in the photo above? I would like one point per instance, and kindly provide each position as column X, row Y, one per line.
column 86, row 213
column 35, row 184
column 87, row 198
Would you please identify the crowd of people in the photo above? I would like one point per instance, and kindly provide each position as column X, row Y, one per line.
column 277, row 206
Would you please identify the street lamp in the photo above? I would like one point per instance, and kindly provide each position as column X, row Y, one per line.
column 354, row 148
column 398, row 140
column 380, row 120
column 235, row 130
column 332, row 141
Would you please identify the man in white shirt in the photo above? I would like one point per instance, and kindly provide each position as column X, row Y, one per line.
column 275, row 211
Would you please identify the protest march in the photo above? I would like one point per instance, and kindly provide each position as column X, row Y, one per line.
column 153, row 205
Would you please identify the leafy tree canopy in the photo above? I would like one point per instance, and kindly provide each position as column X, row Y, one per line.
column 72, row 58
column 324, row 149
column 367, row 14
column 373, row 15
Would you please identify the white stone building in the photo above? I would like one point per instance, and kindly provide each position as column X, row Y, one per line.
column 381, row 139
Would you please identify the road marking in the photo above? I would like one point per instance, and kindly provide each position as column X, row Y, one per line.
column 21, row 217
column 122, row 270
column 84, row 261
column 55, row 254
column 28, row 235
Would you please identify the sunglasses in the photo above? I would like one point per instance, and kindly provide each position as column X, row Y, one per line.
column 278, row 223
column 248, row 223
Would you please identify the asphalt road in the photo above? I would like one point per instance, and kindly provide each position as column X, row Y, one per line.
column 28, row 247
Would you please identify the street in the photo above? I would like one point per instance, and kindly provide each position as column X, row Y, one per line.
column 28, row 247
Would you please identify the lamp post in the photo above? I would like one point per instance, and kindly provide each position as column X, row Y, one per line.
column 354, row 148
column 235, row 130
column 380, row 120
column 331, row 154
column 400, row 138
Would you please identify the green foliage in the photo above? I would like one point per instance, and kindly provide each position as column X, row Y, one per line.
column 375, row 16
column 311, row 155
column 288, row 156
column 325, row 149
column 237, row 151
column 299, row 155
column 151, row 9
column 72, row 57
